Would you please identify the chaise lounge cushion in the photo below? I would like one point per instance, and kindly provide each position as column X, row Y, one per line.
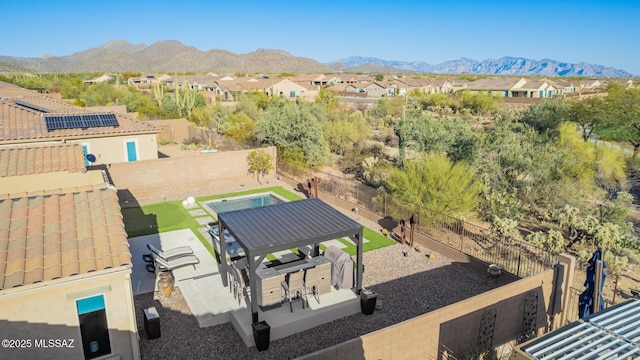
column 171, row 253
column 162, row 264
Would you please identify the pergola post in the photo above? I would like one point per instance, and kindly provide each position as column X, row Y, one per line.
column 223, row 254
column 252, row 283
column 359, row 265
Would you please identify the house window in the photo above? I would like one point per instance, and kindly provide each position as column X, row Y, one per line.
column 292, row 94
column 93, row 327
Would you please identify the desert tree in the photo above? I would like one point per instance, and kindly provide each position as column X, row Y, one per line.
column 624, row 106
column 436, row 183
column 293, row 126
column 590, row 114
column 260, row 163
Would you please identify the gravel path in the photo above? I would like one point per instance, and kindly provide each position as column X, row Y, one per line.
column 407, row 287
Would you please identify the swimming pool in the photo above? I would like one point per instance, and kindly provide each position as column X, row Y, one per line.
column 244, row 202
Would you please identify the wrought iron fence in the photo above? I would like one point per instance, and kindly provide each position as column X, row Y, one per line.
column 572, row 309
column 516, row 257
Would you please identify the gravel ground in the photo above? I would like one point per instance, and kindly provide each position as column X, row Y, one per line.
column 406, row 286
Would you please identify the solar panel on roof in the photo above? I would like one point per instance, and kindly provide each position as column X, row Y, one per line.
column 55, row 122
column 109, row 120
column 31, row 106
column 74, row 122
column 92, row 120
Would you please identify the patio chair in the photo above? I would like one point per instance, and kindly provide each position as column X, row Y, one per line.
column 240, row 264
column 176, row 263
column 241, row 280
column 293, row 287
column 312, row 279
column 171, row 254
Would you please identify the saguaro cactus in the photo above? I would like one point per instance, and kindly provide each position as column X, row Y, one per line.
column 158, row 93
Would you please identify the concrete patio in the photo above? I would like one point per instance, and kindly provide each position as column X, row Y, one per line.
column 212, row 304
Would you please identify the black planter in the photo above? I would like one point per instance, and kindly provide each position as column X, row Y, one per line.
column 261, row 335
column 368, row 301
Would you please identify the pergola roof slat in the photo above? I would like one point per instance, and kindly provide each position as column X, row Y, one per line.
column 265, row 230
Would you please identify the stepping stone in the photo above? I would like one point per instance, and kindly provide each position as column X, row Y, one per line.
column 335, row 243
column 198, row 212
column 364, row 240
column 204, row 220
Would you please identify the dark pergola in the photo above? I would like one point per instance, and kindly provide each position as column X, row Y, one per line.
column 265, row 230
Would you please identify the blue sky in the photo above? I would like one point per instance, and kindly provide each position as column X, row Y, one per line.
column 597, row 32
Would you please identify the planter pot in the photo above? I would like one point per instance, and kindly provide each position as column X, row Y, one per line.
column 261, row 335
column 165, row 283
column 368, row 301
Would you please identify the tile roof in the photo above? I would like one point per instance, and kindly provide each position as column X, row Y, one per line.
column 534, row 85
column 493, row 84
column 16, row 161
column 64, row 234
column 22, row 124
column 15, row 91
column 49, row 183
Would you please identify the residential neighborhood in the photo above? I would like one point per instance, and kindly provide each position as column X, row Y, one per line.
column 306, row 86
column 74, row 178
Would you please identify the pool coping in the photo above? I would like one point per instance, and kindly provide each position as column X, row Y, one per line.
column 203, row 204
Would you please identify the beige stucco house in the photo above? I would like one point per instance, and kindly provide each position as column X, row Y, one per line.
column 502, row 86
column 65, row 264
column 99, row 79
column 317, row 79
column 291, row 90
column 376, row 90
column 534, row 89
column 29, row 118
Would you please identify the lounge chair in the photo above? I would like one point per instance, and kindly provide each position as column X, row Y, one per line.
column 171, row 254
column 162, row 264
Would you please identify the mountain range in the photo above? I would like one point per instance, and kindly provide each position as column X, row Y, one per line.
column 171, row 56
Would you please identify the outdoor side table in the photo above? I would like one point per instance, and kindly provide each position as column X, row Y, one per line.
column 152, row 323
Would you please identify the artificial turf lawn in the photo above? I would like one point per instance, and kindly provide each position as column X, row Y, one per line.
column 171, row 215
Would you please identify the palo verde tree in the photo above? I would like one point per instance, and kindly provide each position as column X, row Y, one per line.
column 478, row 103
column 240, row 127
column 436, row 183
column 260, row 163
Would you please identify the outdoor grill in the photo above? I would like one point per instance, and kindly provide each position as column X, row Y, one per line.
column 341, row 267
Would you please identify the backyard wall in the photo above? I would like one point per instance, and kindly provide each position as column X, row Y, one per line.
column 176, row 130
column 144, row 182
column 482, row 322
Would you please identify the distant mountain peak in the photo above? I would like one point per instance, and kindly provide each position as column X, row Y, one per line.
column 507, row 65
column 115, row 43
column 172, row 55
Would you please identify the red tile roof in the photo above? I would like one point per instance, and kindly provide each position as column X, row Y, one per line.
column 20, row 123
column 40, row 159
column 64, row 234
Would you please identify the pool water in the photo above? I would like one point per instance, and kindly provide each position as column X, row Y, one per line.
column 245, row 202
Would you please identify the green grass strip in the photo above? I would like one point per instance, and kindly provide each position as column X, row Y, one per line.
column 171, row 215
